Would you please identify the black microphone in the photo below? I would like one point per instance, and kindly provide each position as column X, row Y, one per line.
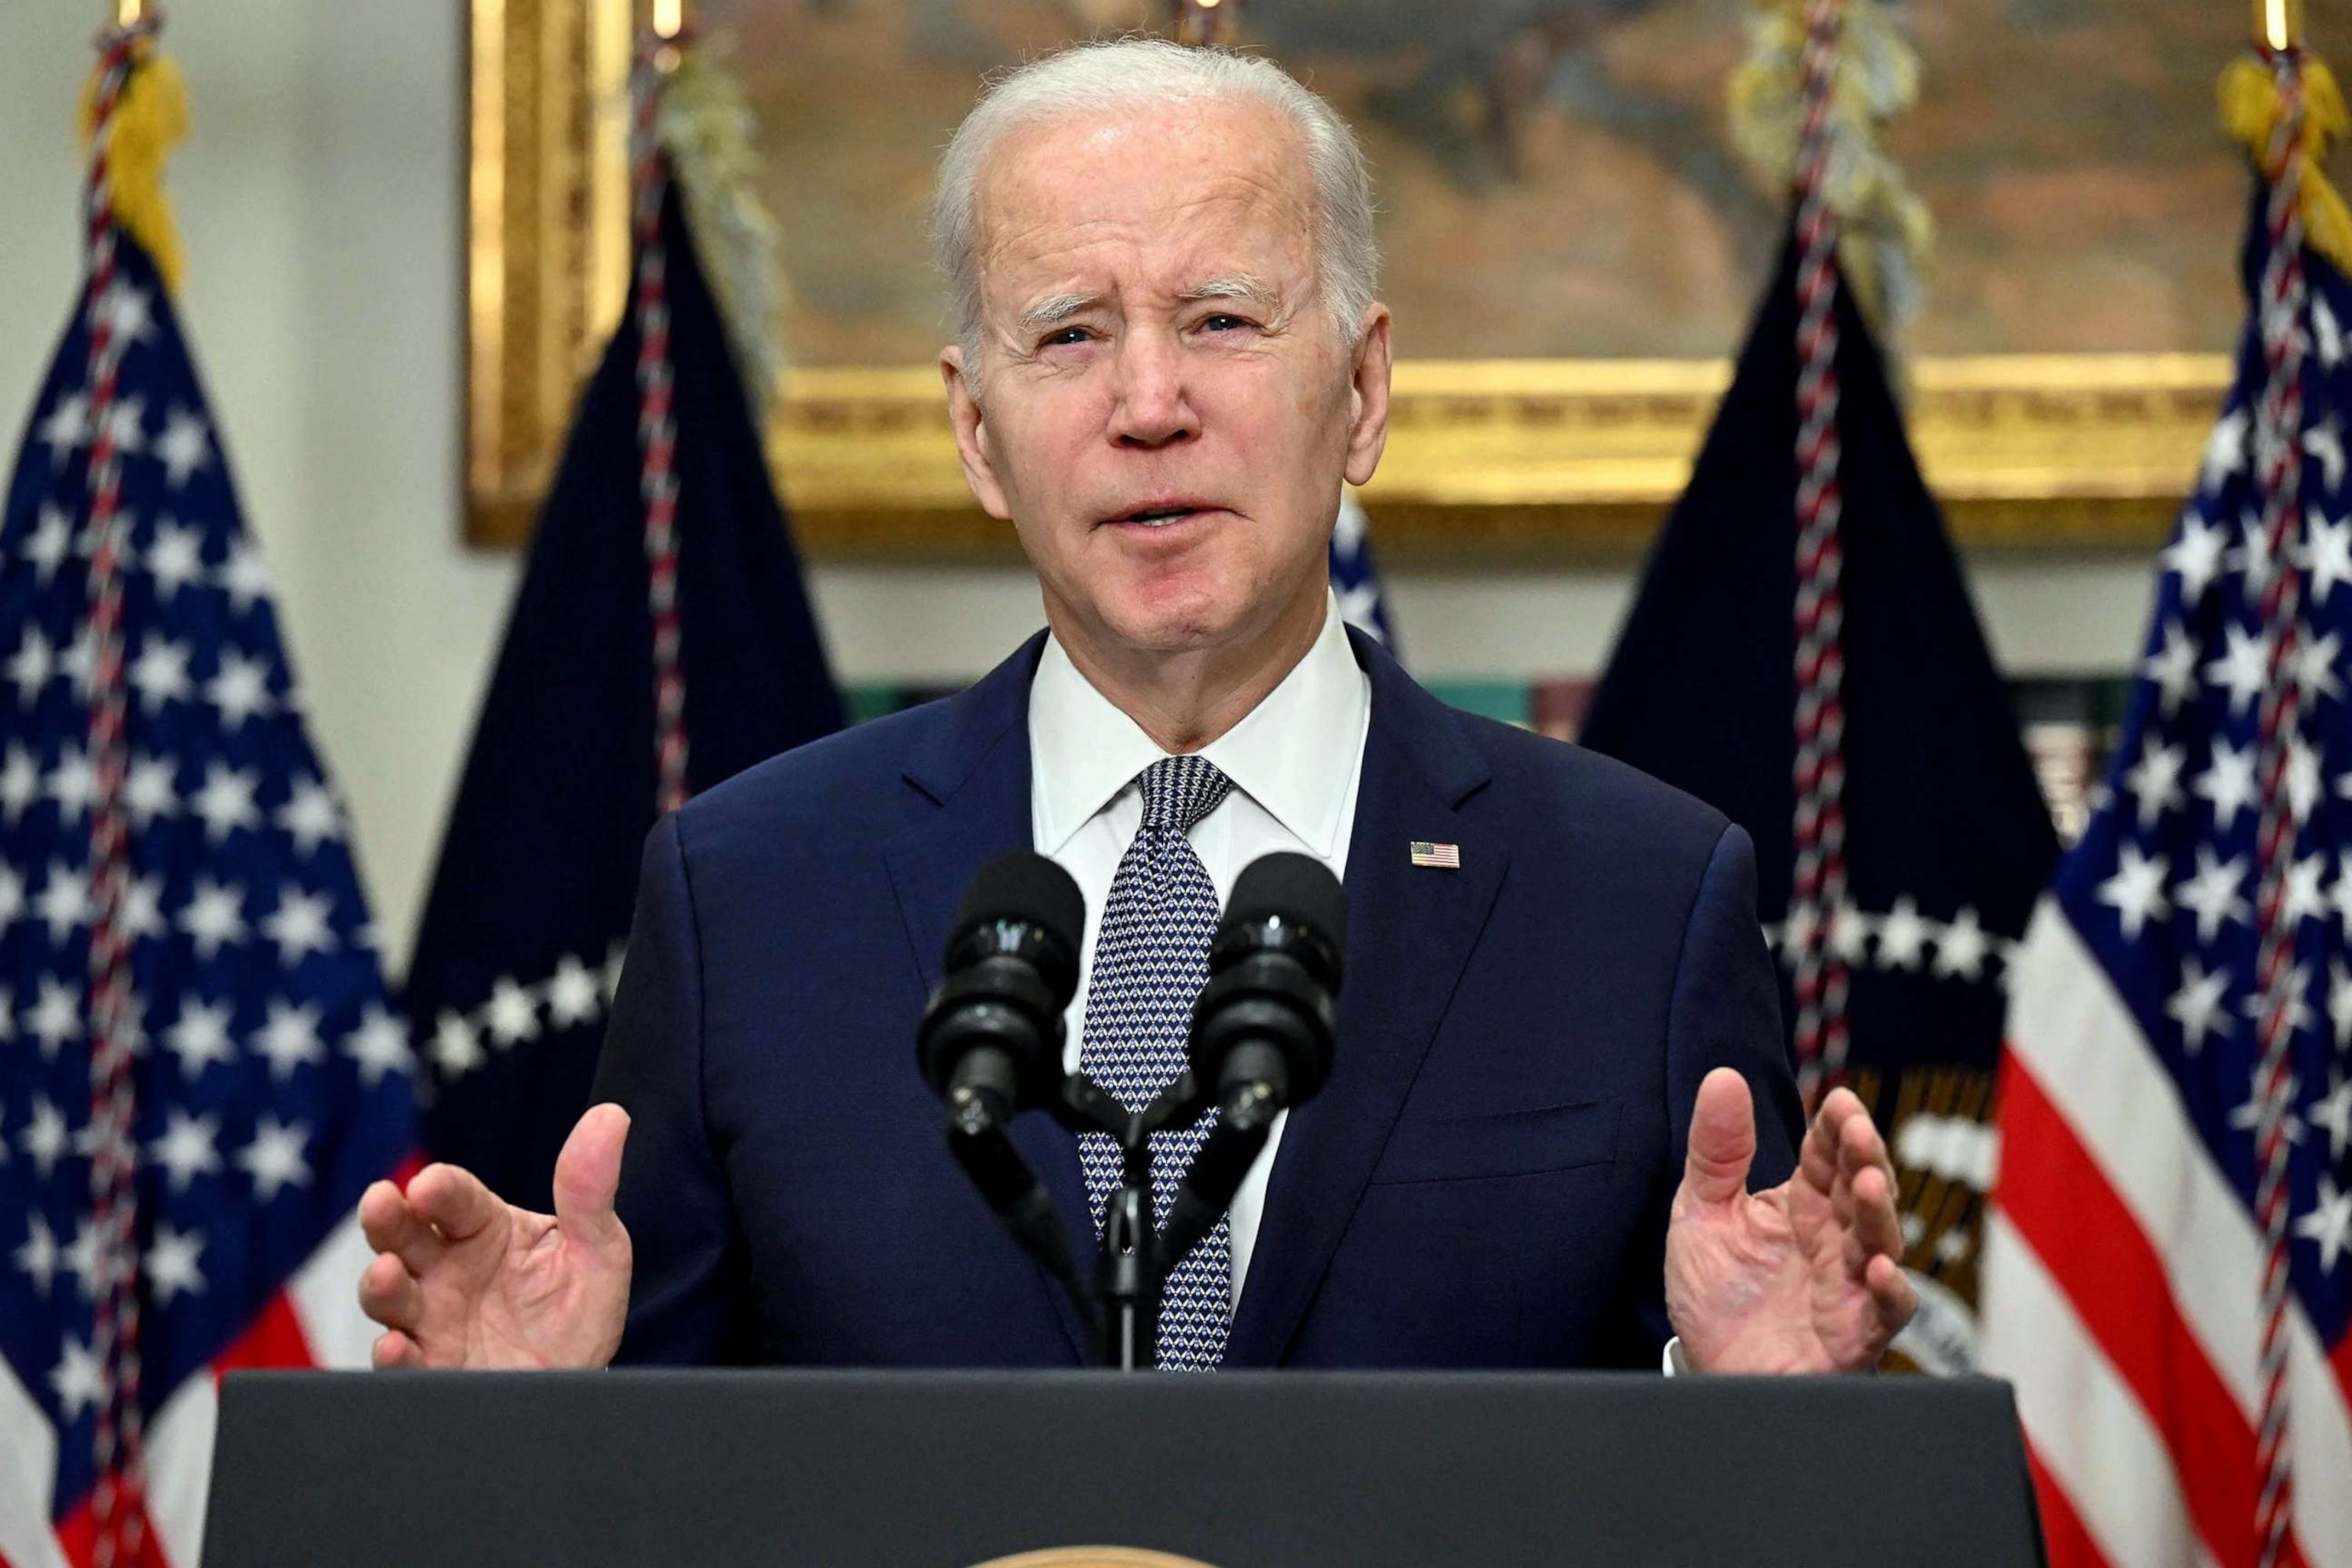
column 991, row 1040
column 1262, row 1028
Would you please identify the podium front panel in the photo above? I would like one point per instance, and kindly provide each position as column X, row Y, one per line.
column 863, row 1470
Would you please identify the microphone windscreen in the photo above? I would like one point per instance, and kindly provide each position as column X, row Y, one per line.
column 1026, row 887
column 1296, row 887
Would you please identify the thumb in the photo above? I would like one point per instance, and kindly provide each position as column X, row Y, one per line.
column 587, row 1174
column 1722, row 1139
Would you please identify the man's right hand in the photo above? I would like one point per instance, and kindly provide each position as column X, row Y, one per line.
column 466, row 1279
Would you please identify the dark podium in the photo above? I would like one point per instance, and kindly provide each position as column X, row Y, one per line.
column 1238, row 1470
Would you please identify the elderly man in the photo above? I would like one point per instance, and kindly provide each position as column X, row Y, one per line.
column 1537, row 1142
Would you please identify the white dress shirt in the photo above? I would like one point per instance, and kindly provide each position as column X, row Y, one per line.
column 1293, row 762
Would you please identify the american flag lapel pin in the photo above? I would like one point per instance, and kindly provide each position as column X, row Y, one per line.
column 1444, row 856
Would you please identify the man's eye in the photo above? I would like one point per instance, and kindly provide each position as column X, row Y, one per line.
column 1222, row 322
column 1067, row 336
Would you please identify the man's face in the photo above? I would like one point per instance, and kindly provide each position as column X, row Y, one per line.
column 1169, row 407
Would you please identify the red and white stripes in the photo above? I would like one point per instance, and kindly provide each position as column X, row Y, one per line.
column 1818, row 887
column 656, row 420
column 2278, row 447
column 114, row 1027
column 2118, row 1289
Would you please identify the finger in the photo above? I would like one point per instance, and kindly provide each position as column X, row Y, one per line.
column 393, row 1224
column 588, row 1174
column 453, row 1200
column 1722, row 1139
column 1819, row 1160
column 390, row 1294
column 394, row 1348
column 1891, row 1292
column 1875, row 1223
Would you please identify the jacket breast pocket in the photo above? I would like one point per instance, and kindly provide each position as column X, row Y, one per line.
column 1511, row 1143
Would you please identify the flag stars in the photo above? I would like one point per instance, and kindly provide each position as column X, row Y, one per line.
column 2327, row 552
column 2197, row 1006
column 242, row 575
column 512, row 1015
column 2315, row 658
column 310, row 816
column 2340, row 1002
column 125, row 425
column 184, row 446
column 1851, row 931
column 456, row 1050
column 45, row 1137
column 175, row 559
column 2195, row 558
column 2297, row 980
column 73, row 784
column 2225, row 451
column 170, row 1263
column 188, row 1148
column 20, row 784
column 2228, row 783
column 571, row 994
column 1962, row 946
column 128, row 316
column 2173, row 666
column 213, row 916
column 299, row 925
column 2304, row 785
column 12, row 898
column 78, row 662
column 2136, row 893
column 1903, row 935
column 82, row 1260
column 2328, row 1226
column 241, row 691
column 159, row 673
column 2242, row 669
column 64, row 905
column 2325, row 441
column 65, row 429
column 77, row 1380
column 290, row 1039
column 2213, row 895
column 2304, row 901
column 274, row 1158
column 2332, row 1114
column 148, row 791
column 142, row 915
column 380, row 1046
column 2155, row 782
column 35, row 1256
column 225, row 801
column 31, row 666
column 200, row 1036
column 2252, row 555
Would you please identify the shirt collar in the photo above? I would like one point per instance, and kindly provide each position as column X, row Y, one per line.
column 1083, row 751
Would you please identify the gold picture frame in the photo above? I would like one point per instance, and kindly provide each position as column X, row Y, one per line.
column 1487, row 459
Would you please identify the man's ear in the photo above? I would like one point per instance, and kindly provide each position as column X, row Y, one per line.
column 972, row 437
column 1368, row 397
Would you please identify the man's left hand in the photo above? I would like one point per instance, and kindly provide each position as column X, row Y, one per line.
column 1805, row 1277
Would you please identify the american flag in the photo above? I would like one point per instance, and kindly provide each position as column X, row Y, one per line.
column 1356, row 577
column 269, row 1081
column 2126, row 1254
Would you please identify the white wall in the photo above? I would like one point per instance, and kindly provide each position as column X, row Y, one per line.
column 319, row 195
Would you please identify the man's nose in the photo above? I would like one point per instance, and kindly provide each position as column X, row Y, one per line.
column 1155, row 405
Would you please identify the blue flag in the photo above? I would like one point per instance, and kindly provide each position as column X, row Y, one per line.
column 1356, row 576
column 274, row 1080
column 1947, row 838
column 522, row 933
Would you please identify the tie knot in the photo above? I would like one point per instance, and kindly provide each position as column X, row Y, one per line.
column 1180, row 791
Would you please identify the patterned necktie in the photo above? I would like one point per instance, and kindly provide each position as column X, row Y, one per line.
column 1151, row 962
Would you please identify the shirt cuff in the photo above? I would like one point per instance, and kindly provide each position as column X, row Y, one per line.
column 1677, row 1364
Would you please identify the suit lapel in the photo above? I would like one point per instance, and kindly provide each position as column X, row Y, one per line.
column 973, row 765
column 1411, row 930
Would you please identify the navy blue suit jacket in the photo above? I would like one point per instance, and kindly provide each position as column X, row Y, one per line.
column 1485, row 1181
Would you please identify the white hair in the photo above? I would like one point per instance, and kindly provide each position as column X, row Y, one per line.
column 1127, row 73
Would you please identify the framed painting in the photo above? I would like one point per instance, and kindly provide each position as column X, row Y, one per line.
column 1571, row 251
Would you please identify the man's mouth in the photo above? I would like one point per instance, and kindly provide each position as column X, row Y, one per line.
column 1161, row 514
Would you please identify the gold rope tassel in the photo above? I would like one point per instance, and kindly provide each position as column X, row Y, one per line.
column 150, row 119
column 2250, row 111
column 706, row 129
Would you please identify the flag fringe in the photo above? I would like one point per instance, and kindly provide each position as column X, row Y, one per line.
column 1885, row 230
column 2250, row 111
column 150, row 119
column 706, row 132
